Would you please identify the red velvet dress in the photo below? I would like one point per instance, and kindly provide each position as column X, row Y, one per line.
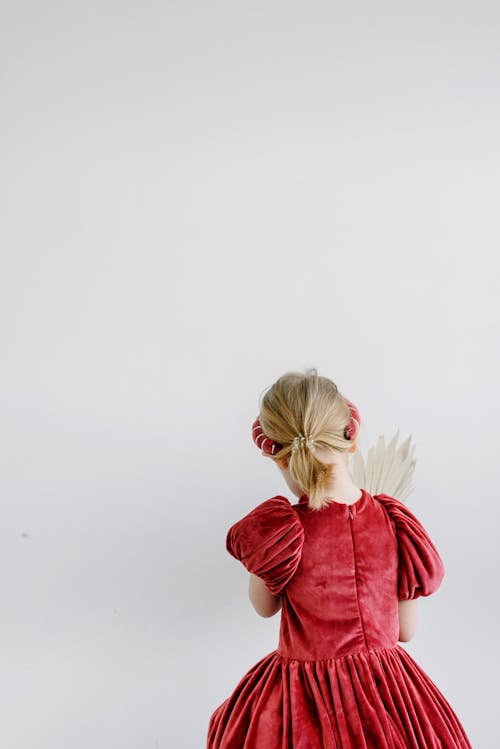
column 339, row 679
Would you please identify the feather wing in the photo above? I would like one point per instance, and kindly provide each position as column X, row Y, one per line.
column 388, row 469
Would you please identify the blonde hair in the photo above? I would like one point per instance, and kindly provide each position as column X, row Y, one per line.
column 310, row 406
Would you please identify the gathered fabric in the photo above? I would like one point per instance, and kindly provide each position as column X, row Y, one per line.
column 339, row 679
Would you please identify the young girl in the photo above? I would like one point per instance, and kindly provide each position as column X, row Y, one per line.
column 346, row 570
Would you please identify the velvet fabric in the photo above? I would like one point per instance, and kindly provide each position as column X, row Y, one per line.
column 338, row 679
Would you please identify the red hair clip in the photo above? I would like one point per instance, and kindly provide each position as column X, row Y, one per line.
column 264, row 443
column 270, row 447
column 352, row 428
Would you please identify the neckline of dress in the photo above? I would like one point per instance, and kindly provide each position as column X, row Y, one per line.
column 304, row 499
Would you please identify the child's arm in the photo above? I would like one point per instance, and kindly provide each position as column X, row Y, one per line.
column 261, row 597
column 408, row 617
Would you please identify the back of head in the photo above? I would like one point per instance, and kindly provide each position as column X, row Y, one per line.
column 302, row 412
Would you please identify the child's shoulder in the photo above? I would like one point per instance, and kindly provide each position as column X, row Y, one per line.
column 421, row 568
column 398, row 510
column 268, row 540
column 275, row 510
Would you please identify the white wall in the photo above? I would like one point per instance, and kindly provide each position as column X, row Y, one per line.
column 198, row 197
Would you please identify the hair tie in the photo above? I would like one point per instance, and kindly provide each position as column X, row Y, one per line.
column 270, row 447
column 301, row 439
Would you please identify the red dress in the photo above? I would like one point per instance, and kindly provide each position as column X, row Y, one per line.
column 338, row 679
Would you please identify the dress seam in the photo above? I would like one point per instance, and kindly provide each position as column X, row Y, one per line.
column 367, row 651
column 356, row 582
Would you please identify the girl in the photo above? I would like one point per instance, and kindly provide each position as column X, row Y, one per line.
column 346, row 569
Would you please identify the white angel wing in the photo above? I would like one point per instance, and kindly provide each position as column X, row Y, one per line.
column 387, row 470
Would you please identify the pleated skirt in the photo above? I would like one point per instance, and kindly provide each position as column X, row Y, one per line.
column 377, row 699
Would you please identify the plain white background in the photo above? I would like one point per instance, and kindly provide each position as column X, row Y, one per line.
column 196, row 198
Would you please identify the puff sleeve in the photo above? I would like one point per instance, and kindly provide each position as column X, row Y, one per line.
column 268, row 541
column 421, row 569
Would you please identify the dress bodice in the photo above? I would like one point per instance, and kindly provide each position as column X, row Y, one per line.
column 340, row 570
column 343, row 597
